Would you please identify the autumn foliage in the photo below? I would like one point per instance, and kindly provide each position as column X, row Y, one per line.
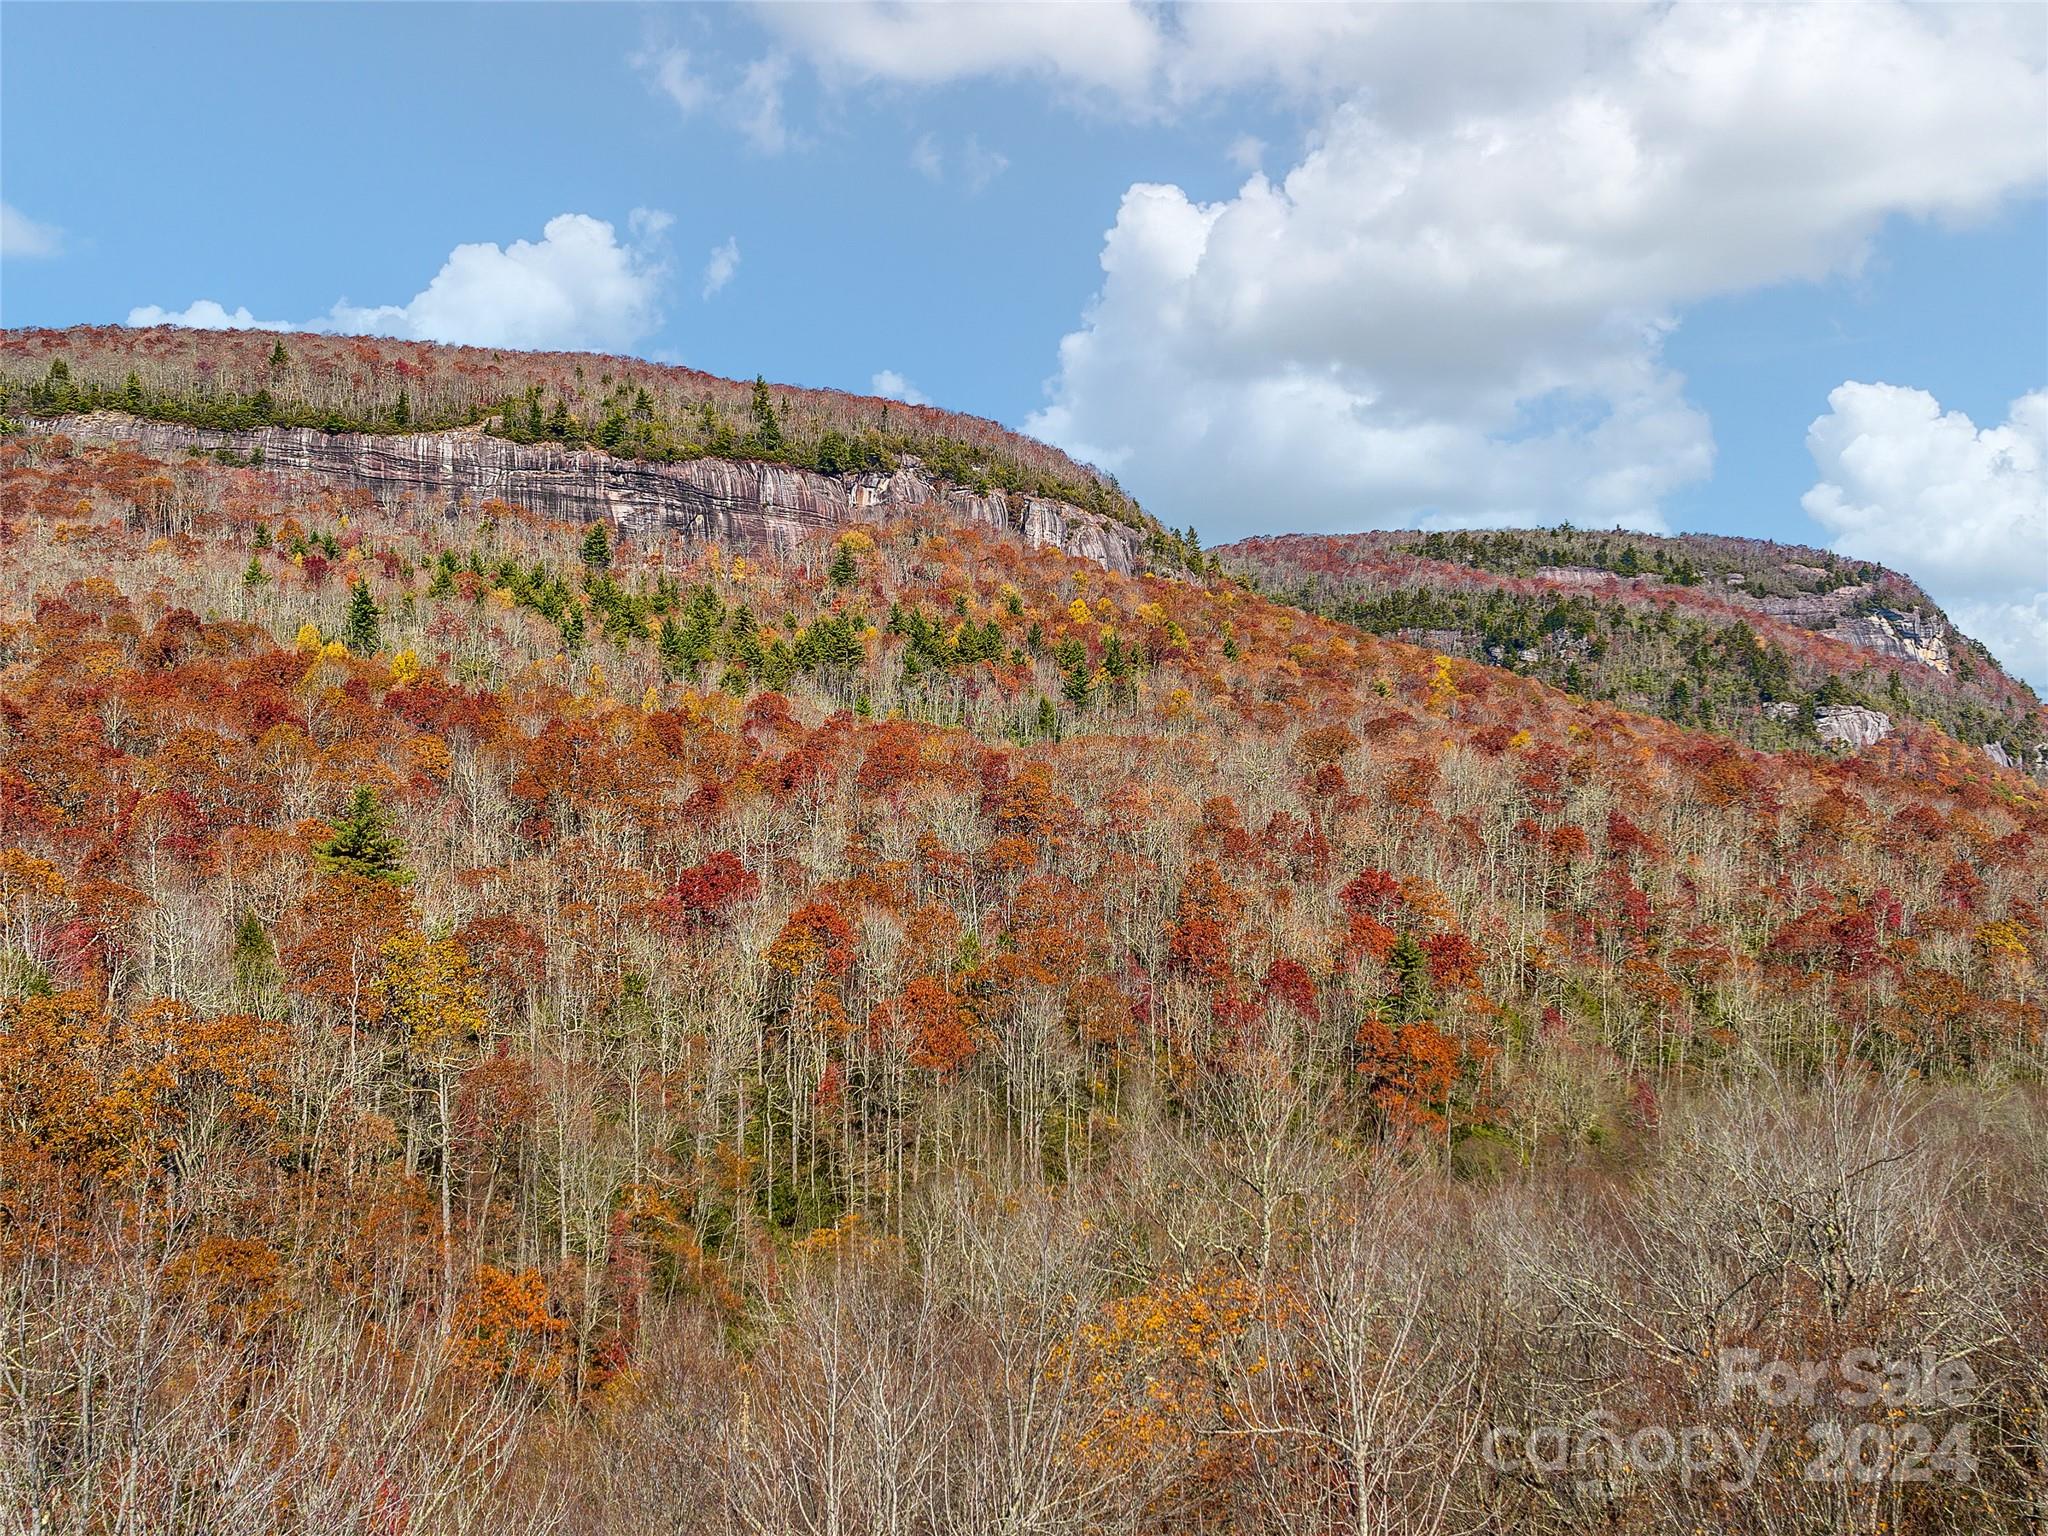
column 698, row 1040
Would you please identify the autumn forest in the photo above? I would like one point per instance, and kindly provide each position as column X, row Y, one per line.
column 514, row 1026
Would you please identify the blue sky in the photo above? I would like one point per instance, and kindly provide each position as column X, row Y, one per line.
column 1602, row 263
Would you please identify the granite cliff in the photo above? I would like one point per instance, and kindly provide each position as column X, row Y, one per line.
column 741, row 501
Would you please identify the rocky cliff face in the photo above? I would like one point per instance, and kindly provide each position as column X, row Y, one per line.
column 740, row 501
column 1850, row 726
column 1908, row 636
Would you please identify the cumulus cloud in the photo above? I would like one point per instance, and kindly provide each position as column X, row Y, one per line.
column 1456, row 311
column 207, row 315
column 891, row 385
column 21, row 235
column 1961, row 509
column 578, row 286
column 720, row 266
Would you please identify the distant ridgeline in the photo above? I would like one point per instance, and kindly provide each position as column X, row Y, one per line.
column 241, row 380
column 1782, row 646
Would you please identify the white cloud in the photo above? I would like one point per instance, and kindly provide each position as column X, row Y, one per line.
column 21, row 235
column 1454, row 310
column 1115, row 47
column 723, row 262
column 576, row 287
column 1246, row 152
column 757, row 104
column 979, row 166
column 891, row 385
column 672, row 74
column 206, row 315
column 752, row 106
column 1961, row 509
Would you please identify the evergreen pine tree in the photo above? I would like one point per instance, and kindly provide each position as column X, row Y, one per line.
column 1409, row 999
column 767, row 425
column 1079, row 684
column 1048, row 717
column 364, row 844
column 401, row 410
column 675, row 653
column 279, row 358
column 253, row 959
column 253, row 576
column 597, row 548
column 359, row 632
column 843, row 567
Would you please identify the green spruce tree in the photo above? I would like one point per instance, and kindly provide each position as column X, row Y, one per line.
column 767, row 424
column 363, row 844
column 253, row 961
column 844, row 568
column 359, row 632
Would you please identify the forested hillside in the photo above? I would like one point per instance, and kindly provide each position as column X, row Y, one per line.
column 236, row 380
column 1738, row 636
column 505, row 1027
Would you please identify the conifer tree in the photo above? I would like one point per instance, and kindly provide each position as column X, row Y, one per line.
column 359, row 633
column 597, row 548
column 1409, row 999
column 843, row 567
column 767, row 425
column 364, row 844
column 253, row 959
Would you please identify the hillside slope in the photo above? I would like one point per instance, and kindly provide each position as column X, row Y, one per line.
column 247, row 382
column 513, row 1024
column 1779, row 645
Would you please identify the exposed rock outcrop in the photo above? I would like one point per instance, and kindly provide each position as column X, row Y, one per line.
column 1850, row 726
column 1812, row 610
column 1910, row 636
column 742, row 501
column 1995, row 750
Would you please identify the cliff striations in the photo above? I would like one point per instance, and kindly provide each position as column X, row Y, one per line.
column 742, row 501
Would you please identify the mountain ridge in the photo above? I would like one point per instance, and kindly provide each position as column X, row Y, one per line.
column 748, row 501
column 1768, row 641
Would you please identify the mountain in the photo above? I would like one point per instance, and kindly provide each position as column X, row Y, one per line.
column 879, row 1021
column 471, row 421
column 1779, row 645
